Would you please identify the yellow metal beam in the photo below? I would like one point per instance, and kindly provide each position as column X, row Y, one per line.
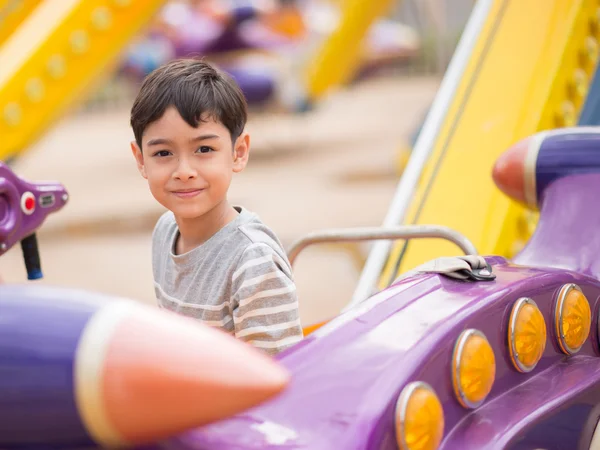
column 12, row 14
column 528, row 72
column 339, row 56
column 55, row 56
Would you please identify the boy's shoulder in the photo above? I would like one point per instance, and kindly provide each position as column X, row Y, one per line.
column 165, row 225
column 256, row 232
column 259, row 240
column 247, row 238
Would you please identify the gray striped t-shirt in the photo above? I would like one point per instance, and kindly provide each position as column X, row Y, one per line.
column 240, row 281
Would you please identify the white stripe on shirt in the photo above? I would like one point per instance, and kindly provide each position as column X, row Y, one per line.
column 218, row 323
column 190, row 305
column 261, row 278
column 266, row 294
column 276, row 344
column 268, row 311
column 251, row 263
column 257, row 261
column 268, row 328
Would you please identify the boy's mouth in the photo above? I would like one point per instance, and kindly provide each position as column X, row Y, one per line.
column 186, row 193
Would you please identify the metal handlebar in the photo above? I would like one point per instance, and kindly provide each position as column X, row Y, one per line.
column 381, row 233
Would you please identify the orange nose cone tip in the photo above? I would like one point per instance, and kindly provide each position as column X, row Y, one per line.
column 143, row 375
column 512, row 169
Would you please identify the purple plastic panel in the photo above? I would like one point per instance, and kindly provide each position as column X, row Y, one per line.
column 567, row 233
column 548, row 411
column 563, row 154
column 17, row 221
column 40, row 328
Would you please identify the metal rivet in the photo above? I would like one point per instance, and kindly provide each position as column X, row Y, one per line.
column 579, row 83
column 567, row 114
column 57, row 68
column 101, row 18
column 80, row 42
column 12, row 114
column 34, row 88
column 594, row 20
column 591, row 48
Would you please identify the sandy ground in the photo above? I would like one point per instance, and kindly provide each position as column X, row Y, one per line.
column 333, row 167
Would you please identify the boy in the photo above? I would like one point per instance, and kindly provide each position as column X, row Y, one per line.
column 211, row 261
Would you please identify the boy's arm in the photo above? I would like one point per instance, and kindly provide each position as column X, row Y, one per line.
column 264, row 300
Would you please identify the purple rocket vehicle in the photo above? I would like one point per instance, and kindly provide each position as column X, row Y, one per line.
column 470, row 352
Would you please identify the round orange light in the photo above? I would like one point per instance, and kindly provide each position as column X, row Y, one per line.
column 572, row 318
column 526, row 335
column 473, row 368
column 419, row 418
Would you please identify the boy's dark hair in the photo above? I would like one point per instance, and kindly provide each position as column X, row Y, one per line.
column 197, row 90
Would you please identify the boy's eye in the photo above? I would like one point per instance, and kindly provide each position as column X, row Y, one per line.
column 204, row 149
column 162, row 153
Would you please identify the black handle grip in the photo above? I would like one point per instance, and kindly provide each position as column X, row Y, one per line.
column 31, row 255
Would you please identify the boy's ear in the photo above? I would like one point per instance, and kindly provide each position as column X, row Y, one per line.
column 139, row 158
column 241, row 152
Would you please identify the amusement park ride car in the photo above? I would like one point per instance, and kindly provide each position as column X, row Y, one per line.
column 463, row 352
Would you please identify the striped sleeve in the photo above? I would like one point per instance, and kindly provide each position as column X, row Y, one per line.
column 264, row 300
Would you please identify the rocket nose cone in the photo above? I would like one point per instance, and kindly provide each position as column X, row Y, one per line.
column 511, row 170
column 163, row 374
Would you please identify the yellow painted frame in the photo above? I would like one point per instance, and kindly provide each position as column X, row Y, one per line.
column 12, row 14
column 528, row 72
column 57, row 54
column 339, row 56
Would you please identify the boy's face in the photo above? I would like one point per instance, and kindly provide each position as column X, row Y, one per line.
column 189, row 169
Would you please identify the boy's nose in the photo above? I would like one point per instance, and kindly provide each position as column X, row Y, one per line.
column 185, row 170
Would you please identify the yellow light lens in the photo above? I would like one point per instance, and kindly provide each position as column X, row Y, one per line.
column 419, row 418
column 572, row 318
column 473, row 368
column 526, row 335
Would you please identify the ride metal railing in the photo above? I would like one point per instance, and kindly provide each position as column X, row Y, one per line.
column 381, row 233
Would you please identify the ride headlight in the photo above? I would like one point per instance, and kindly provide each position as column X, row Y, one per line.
column 526, row 335
column 572, row 318
column 419, row 418
column 473, row 368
